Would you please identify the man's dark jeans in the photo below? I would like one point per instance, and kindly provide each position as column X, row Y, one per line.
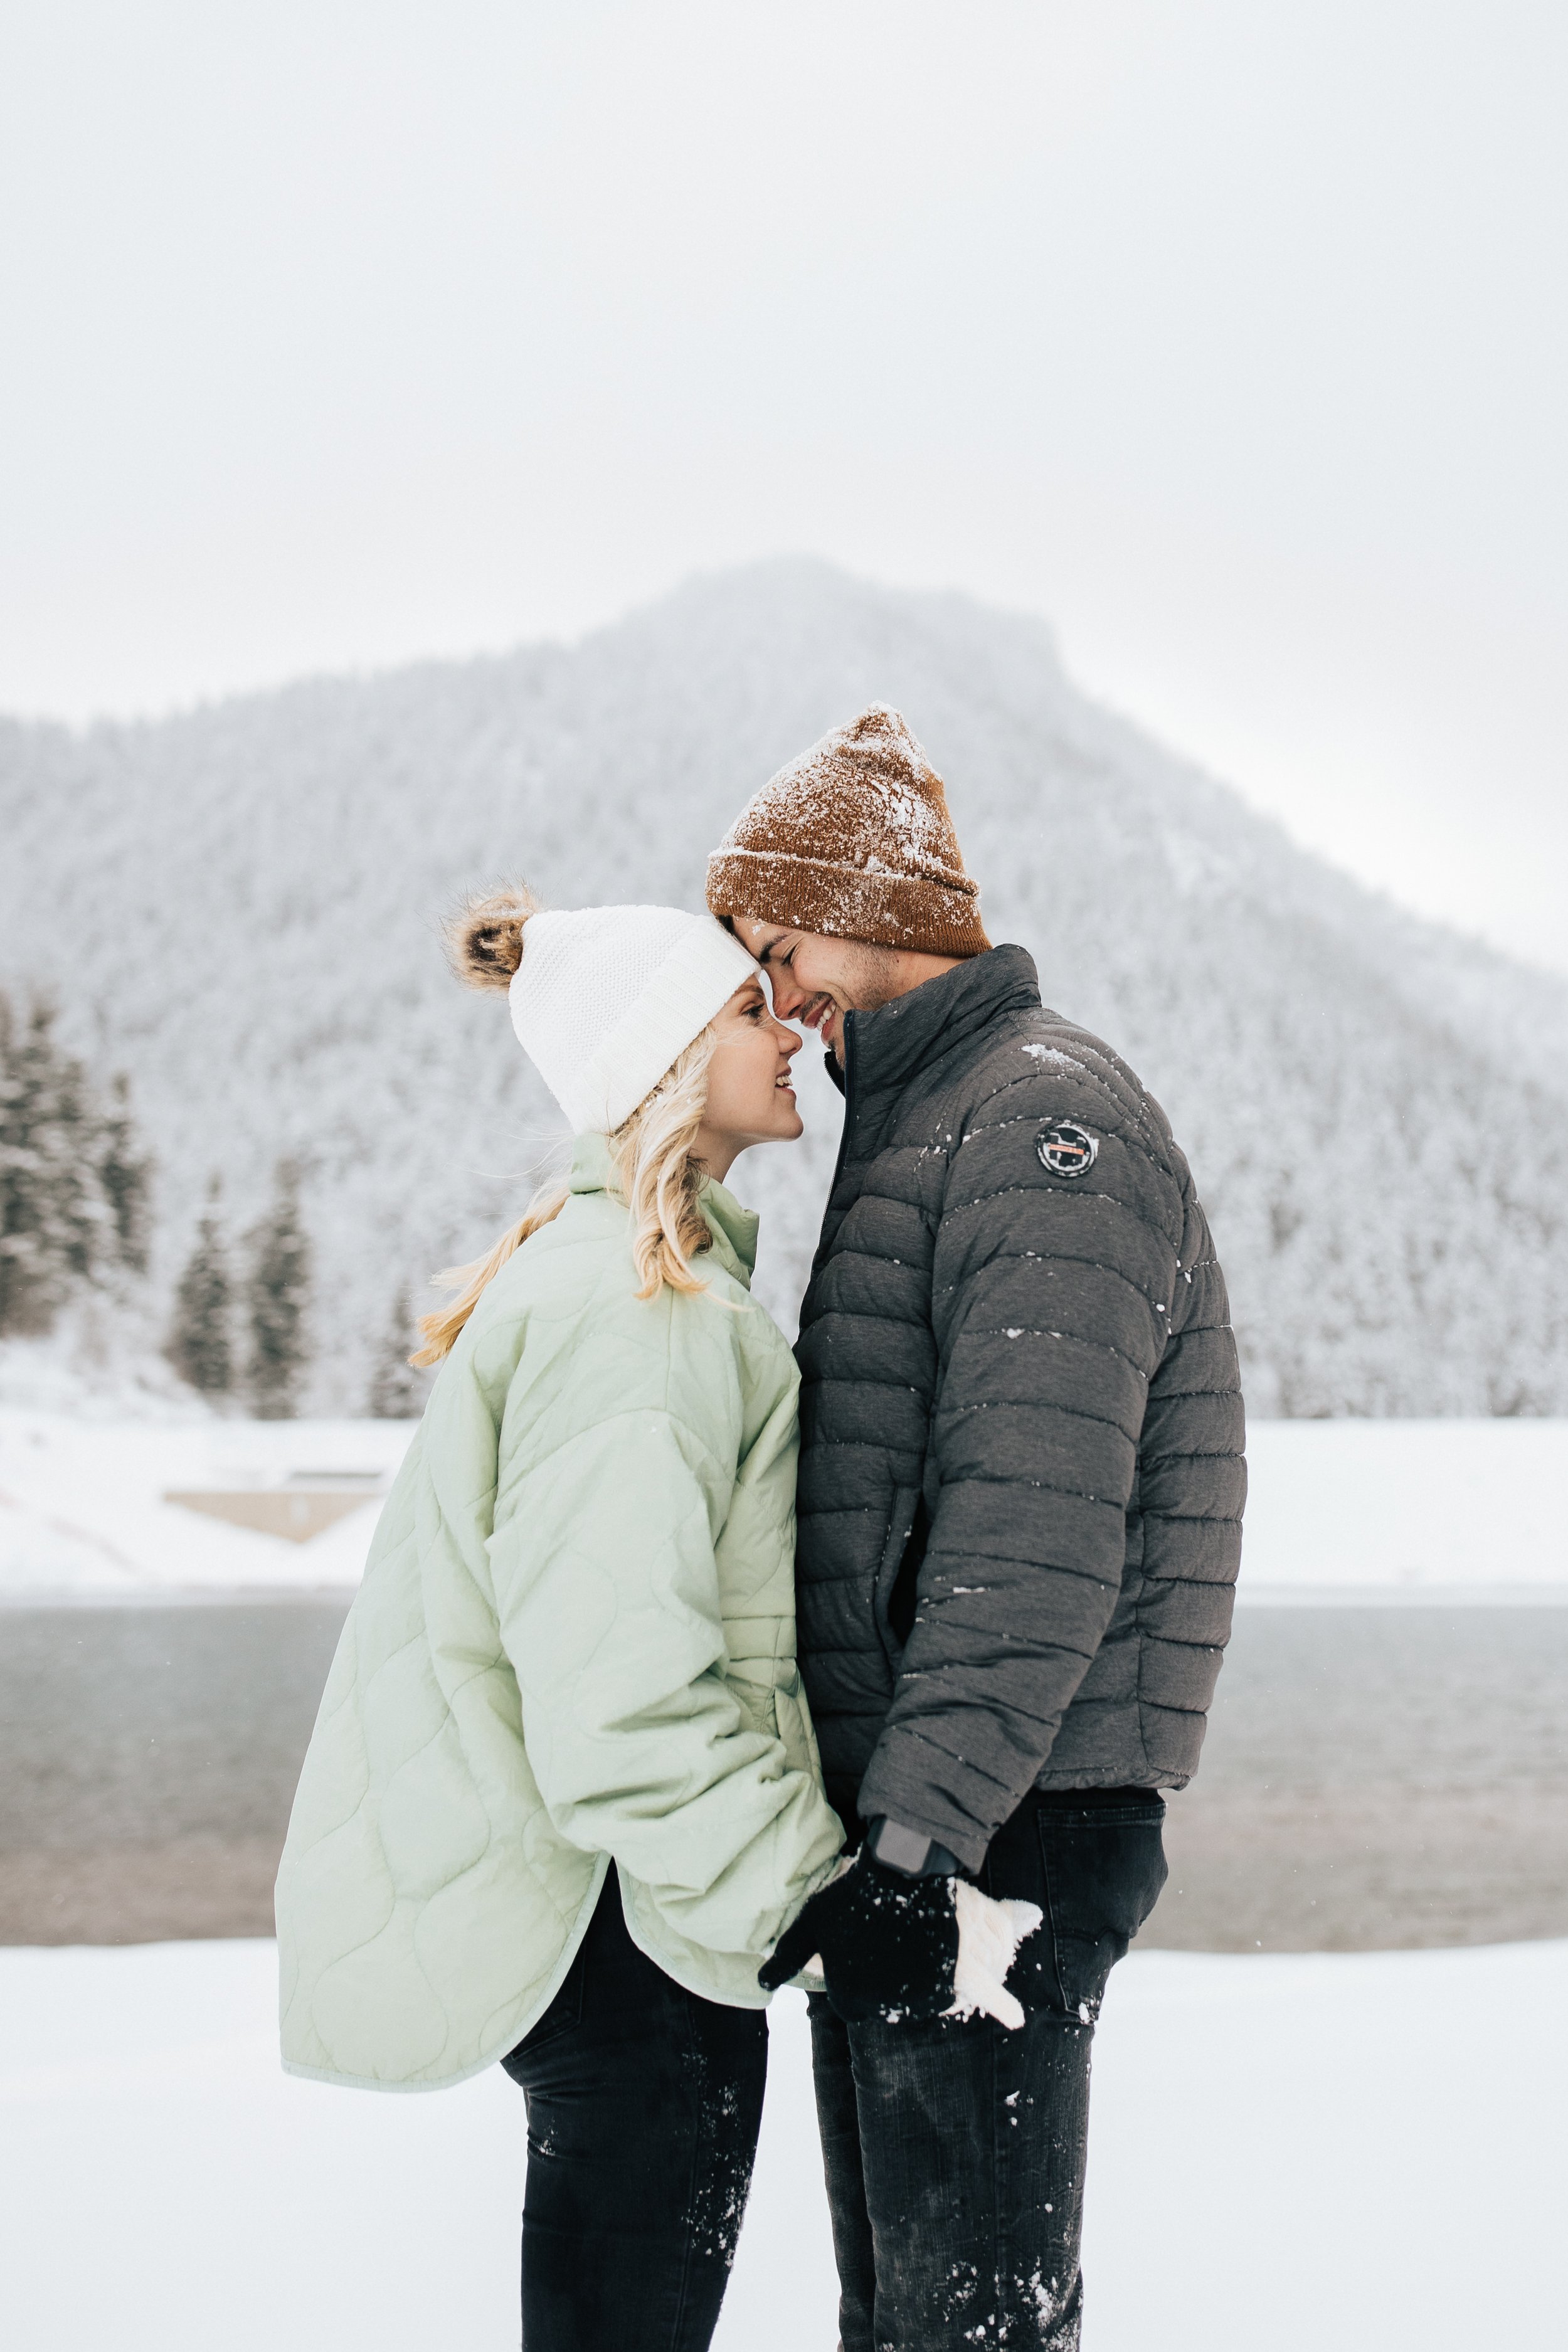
column 954, row 2151
column 644, row 2104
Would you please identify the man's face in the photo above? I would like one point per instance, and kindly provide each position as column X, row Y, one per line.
column 817, row 980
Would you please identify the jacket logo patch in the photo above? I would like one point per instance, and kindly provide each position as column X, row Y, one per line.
column 1065, row 1148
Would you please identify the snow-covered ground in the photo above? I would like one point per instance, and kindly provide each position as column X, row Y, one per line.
column 1366, row 2151
column 1337, row 1509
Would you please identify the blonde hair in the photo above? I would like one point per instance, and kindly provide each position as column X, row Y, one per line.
column 655, row 1172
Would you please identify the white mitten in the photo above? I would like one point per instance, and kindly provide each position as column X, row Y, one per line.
column 989, row 1934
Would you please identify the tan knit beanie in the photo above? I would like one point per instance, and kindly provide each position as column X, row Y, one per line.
column 853, row 839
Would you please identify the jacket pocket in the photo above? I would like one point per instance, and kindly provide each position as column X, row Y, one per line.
column 901, row 1528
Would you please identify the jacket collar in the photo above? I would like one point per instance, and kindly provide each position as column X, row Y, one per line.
column 734, row 1231
column 886, row 1048
column 592, row 1170
column 734, row 1228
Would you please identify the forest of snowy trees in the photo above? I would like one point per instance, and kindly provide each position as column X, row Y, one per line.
column 75, row 1211
column 1375, row 1109
column 269, row 1301
column 74, row 1186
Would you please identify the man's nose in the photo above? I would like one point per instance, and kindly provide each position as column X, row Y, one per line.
column 788, row 997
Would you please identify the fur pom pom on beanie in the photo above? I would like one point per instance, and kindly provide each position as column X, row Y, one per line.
column 853, row 839
column 604, row 999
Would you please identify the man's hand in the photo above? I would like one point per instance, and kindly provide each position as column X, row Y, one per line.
column 889, row 1944
column 899, row 1948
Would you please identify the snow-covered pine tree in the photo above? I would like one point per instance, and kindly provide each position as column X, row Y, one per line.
column 54, row 1218
column 125, row 1175
column 396, row 1391
column 277, row 1293
column 199, row 1345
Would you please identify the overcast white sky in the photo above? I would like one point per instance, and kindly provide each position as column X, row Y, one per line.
column 1232, row 335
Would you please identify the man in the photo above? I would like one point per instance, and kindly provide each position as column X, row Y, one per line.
column 1021, row 1484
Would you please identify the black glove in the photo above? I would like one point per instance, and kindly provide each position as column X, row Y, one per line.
column 889, row 1944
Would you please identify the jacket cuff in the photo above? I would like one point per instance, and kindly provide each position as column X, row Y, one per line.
column 940, row 1795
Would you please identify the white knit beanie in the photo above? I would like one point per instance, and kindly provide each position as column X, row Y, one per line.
column 606, row 998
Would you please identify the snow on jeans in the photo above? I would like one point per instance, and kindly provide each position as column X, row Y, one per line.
column 644, row 2104
column 954, row 2151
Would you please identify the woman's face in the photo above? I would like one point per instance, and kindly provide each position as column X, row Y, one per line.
column 750, row 1097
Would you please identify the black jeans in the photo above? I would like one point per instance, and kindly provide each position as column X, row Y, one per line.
column 954, row 2151
column 644, row 2104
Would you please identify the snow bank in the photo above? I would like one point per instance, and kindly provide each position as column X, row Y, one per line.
column 1365, row 2150
column 1338, row 1510
column 1390, row 1508
column 82, row 1508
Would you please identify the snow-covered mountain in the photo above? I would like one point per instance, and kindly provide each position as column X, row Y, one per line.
column 239, row 906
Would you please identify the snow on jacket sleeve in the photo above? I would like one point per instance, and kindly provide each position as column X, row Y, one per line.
column 1051, row 1299
column 606, row 1582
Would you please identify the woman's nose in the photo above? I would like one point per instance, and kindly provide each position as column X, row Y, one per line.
column 790, row 1041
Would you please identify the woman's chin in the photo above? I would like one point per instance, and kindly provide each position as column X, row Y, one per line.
column 784, row 1124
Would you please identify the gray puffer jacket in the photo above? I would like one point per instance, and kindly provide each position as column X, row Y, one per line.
column 1021, row 1476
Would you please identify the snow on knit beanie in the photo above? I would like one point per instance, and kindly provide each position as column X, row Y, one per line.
column 604, row 999
column 853, row 839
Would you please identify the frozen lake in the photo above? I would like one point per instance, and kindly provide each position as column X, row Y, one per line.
column 1386, row 1765
column 1374, row 1775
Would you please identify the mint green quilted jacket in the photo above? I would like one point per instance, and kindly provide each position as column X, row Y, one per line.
column 575, row 1644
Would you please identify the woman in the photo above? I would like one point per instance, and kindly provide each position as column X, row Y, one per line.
column 562, row 1794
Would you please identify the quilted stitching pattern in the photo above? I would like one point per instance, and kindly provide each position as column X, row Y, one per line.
column 575, row 1640
column 1039, row 1368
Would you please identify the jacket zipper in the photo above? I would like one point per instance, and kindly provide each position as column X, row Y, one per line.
column 817, row 1256
column 848, row 1101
